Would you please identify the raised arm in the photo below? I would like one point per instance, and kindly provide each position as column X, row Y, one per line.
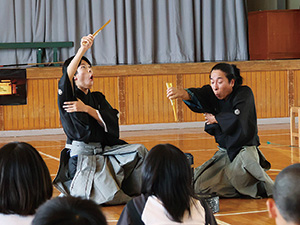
column 85, row 44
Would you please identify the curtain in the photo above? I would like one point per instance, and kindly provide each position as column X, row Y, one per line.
column 140, row 32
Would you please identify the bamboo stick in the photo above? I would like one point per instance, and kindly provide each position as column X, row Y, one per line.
column 172, row 102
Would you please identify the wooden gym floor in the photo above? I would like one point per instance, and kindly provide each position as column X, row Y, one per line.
column 275, row 145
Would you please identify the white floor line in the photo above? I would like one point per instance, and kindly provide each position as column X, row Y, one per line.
column 275, row 170
column 220, row 222
column 241, row 213
column 50, row 156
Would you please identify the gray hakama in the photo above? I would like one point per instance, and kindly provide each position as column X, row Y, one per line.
column 244, row 176
column 110, row 176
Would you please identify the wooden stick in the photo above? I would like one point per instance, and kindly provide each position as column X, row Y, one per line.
column 101, row 28
column 172, row 102
column 98, row 31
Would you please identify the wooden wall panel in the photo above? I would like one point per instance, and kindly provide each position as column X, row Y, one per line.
column 270, row 91
column 54, row 113
column 41, row 110
column 146, row 99
column 7, row 118
column 1, row 118
column 142, row 90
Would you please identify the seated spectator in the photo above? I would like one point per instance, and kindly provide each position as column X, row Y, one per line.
column 167, row 193
column 285, row 205
column 25, row 183
column 69, row 210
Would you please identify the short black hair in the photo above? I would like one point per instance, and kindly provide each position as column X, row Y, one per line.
column 68, row 61
column 25, row 181
column 167, row 174
column 69, row 210
column 286, row 193
column 231, row 71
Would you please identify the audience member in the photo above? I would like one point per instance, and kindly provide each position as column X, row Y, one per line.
column 25, row 183
column 69, row 210
column 285, row 205
column 167, row 194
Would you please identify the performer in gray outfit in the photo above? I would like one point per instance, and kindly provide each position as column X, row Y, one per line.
column 95, row 164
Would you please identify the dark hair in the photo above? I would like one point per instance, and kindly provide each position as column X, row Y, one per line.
column 287, row 194
column 25, row 181
column 68, row 61
column 69, row 210
column 231, row 71
column 168, row 175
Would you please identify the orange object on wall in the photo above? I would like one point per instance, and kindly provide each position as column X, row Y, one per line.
column 274, row 34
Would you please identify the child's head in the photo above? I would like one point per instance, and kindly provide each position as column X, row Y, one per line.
column 285, row 205
column 25, row 181
column 69, row 210
column 167, row 175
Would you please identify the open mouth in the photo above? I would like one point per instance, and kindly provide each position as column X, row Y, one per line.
column 92, row 77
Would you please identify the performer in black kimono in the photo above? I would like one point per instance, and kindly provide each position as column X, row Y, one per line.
column 95, row 164
column 238, row 168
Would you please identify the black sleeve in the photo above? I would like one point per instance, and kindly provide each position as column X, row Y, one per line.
column 110, row 116
column 202, row 100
